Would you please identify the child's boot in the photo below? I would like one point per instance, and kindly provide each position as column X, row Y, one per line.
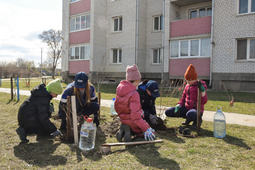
column 186, row 122
column 127, row 133
column 120, row 133
column 22, row 134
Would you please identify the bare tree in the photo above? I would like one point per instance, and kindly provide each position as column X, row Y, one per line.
column 53, row 40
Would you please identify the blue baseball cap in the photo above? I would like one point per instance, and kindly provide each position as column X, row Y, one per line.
column 80, row 80
column 152, row 86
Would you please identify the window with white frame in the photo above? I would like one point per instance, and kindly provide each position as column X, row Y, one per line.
column 116, row 56
column 200, row 12
column 158, row 23
column 156, row 56
column 80, row 53
column 117, row 24
column 246, row 49
column 80, row 23
column 246, row 6
column 190, row 48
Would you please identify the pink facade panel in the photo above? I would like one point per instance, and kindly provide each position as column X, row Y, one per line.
column 79, row 7
column 193, row 26
column 177, row 67
column 80, row 37
column 77, row 66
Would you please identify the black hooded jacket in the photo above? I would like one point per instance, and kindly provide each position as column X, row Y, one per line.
column 34, row 112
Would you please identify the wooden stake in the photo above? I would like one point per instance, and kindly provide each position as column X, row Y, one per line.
column 99, row 102
column 68, row 119
column 198, row 109
column 75, row 126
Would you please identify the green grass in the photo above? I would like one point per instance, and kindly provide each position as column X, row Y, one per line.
column 244, row 102
column 235, row 151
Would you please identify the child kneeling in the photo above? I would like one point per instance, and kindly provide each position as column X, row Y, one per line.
column 128, row 107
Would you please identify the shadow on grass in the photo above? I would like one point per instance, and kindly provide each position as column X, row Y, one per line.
column 169, row 134
column 39, row 154
column 94, row 154
column 228, row 139
column 148, row 155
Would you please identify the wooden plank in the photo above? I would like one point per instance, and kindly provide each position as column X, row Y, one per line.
column 132, row 143
column 75, row 127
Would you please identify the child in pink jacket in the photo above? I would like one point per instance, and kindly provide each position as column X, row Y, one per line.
column 187, row 106
column 128, row 107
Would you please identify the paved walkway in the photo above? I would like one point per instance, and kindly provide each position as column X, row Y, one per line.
column 231, row 118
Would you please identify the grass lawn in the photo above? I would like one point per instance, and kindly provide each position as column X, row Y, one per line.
column 235, row 151
column 244, row 102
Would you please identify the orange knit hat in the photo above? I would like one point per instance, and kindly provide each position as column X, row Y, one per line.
column 191, row 73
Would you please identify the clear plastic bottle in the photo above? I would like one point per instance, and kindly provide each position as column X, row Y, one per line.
column 112, row 107
column 219, row 124
column 87, row 135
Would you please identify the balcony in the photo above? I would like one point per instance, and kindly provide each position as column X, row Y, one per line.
column 194, row 26
column 187, row 2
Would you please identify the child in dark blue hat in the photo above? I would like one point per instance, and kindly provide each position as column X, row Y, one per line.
column 148, row 91
column 86, row 99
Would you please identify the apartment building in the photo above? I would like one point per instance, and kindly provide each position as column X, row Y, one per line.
column 102, row 37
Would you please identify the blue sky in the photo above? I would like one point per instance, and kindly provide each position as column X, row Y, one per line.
column 21, row 21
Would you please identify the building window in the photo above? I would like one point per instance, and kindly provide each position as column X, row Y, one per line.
column 246, row 6
column 156, row 56
column 80, row 53
column 200, row 12
column 246, row 49
column 80, row 23
column 158, row 23
column 74, row 0
column 190, row 48
column 116, row 56
column 117, row 24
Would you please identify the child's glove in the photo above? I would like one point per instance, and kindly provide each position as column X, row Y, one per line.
column 177, row 108
column 52, row 108
column 56, row 133
column 153, row 119
column 200, row 86
column 96, row 120
column 149, row 134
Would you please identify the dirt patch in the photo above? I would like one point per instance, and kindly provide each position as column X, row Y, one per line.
column 111, row 128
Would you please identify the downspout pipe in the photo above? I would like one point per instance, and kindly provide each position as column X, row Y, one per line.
column 212, row 44
column 137, row 30
column 163, row 43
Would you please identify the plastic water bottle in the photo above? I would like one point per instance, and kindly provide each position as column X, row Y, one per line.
column 87, row 135
column 112, row 107
column 219, row 124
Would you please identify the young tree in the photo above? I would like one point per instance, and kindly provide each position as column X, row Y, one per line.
column 53, row 40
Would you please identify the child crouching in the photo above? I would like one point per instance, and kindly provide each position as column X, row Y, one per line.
column 128, row 107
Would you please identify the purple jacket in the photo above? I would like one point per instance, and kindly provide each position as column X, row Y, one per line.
column 128, row 107
column 189, row 97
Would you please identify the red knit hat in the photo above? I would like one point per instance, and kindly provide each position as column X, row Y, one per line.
column 132, row 73
column 191, row 73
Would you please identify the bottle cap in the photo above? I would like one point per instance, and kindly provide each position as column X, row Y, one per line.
column 113, row 99
column 89, row 120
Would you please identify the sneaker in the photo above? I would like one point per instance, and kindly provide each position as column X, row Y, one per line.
column 127, row 133
column 120, row 133
column 22, row 134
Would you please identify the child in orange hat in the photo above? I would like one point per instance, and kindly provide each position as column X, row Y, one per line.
column 187, row 106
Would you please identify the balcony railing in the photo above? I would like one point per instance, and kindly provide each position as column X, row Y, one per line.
column 193, row 26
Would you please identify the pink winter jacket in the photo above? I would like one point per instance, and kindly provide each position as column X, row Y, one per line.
column 189, row 97
column 128, row 107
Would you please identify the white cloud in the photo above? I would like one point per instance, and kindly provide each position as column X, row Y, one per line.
column 20, row 24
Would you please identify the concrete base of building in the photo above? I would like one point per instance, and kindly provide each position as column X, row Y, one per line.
column 114, row 77
column 235, row 82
